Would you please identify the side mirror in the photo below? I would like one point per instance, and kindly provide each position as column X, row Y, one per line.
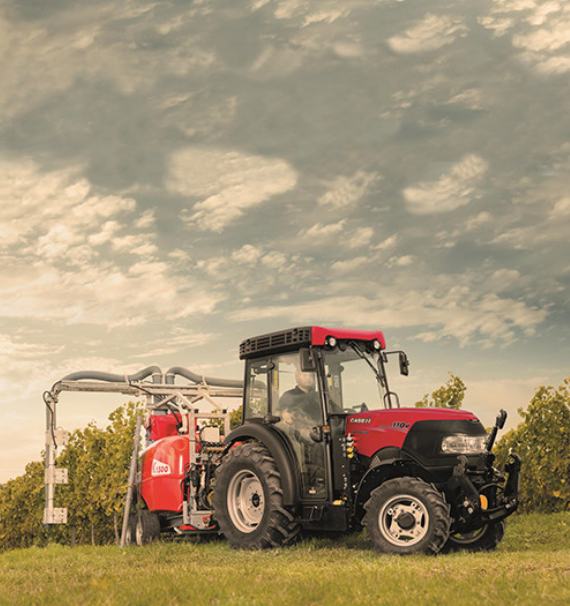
column 307, row 361
column 404, row 364
column 501, row 418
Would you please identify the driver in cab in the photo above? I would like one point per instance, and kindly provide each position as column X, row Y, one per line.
column 300, row 407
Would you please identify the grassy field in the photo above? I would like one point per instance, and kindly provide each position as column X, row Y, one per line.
column 532, row 566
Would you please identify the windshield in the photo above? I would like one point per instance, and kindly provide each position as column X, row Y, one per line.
column 356, row 380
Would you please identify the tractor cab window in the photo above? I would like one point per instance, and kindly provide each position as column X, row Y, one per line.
column 295, row 395
column 256, row 399
column 351, row 382
column 296, row 400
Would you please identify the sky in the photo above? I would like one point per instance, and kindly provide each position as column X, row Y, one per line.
column 178, row 176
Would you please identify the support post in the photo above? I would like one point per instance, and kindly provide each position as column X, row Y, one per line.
column 132, row 479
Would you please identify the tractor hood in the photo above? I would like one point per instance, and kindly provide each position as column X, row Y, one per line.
column 376, row 429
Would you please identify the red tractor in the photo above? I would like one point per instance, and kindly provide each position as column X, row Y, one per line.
column 324, row 446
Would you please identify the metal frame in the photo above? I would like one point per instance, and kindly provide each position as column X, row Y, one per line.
column 157, row 393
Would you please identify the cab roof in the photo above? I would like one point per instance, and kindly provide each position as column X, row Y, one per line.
column 295, row 338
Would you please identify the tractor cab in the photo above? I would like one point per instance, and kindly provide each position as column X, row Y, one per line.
column 304, row 382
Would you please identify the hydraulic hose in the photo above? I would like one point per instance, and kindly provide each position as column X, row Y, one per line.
column 196, row 378
column 96, row 375
column 107, row 376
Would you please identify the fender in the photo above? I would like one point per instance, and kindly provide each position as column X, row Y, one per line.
column 386, row 464
column 276, row 443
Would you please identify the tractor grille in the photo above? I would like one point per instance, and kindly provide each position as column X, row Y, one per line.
column 275, row 342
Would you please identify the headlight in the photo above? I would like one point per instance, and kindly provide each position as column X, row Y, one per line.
column 461, row 443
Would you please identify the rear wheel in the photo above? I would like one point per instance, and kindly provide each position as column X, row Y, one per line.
column 147, row 528
column 486, row 538
column 407, row 516
column 130, row 537
column 248, row 500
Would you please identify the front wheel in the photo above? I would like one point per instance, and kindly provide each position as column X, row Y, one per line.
column 486, row 538
column 407, row 516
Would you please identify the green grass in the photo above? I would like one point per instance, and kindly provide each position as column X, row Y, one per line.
column 532, row 566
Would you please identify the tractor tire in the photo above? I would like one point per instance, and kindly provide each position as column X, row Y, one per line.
column 147, row 528
column 248, row 500
column 487, row 538
column 130, row 537
column 407, row 516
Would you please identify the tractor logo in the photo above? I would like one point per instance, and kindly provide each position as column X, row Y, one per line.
column 159, row 468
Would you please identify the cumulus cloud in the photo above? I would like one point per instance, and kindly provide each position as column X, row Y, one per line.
column 471, row 98
column 349, row 265
column 227, row 183
column 53, row 213
column 403, row 261
column 43, row 57
column 360, row 237
column 540, row 31
column 451, row 309
column 386, row 244
column 320, row 231
column 451, row 190
column 321, row 11
column 431, row 33
column 247, row 254
column 346, row 191
column 561, row 208
column 63, row 238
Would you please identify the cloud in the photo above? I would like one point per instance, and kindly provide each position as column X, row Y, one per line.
column 386, row 244
column 458, row 312
column 540, row 31
column 360, row 237
column 57, row 214
column 275, row 260
column 561, row 208
column 46, row 56
column 451, row 190
column 228, row 183
column 179, row 340
column 471, row 98
column 77, row 256
column 478, row 220
column 403, row 261
column 349, row 265
column 247, row 254
column 431, row 33
column 345, row 192
column 320, row 231
column 311, row 12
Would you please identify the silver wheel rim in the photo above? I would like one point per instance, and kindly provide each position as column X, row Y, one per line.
column 246, row 502
column 466, row 538
column 139, row 533
column 403, row 520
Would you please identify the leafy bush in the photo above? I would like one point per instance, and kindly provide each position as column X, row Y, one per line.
column 449, row 395
column 98, row 464
column 542, row 441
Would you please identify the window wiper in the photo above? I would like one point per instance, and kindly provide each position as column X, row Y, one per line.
column 364, row 357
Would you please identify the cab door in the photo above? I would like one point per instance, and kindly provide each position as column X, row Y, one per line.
column 297, row 401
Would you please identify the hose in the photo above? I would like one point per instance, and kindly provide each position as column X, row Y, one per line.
column 107, row 376
column 96, row 375
column 196, row 378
